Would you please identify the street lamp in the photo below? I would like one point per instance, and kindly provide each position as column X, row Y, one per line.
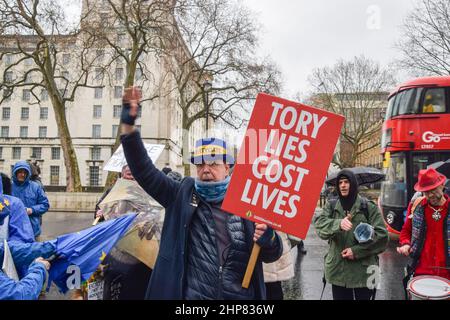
column 207, row 85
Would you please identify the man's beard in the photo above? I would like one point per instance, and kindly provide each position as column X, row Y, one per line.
column 437, row 200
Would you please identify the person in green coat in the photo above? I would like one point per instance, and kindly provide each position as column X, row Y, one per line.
column 351, row 266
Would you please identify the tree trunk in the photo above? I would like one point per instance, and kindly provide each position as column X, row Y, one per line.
column 129, row 81
column 70, row 158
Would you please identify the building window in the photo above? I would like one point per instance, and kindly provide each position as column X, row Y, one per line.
column 44, row 95
column 115, row 129
column 56, row 153
column 119, row 74
column 139, row 111
column 42, row 132
column 96, row 153
column 98, row 93
column 98, row 74
column 94, row 176
column 6, row 113
column 16, row 151
column 121, row 38
column 139, row 74
column 117, row 111
column 8, row 59
column 43, row 113
column 7, row 93
column 54, row 175
column 97, row 112
column 117, row 92
column 28, row 62
column 36, row 152
column 8, row 76
column 96, row 131
column 25, row 113
column 65, row 58
column 4, row 133
column 1, row 152
column 65, row 75
column 24, row 132
column 28, row 78
column 100, row 55
column 26, row 95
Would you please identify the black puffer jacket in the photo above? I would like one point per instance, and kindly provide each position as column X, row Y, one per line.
column 206, row 279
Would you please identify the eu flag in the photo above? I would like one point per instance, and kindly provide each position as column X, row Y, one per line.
column 86, row 249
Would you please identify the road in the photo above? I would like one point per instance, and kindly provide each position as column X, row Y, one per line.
column 307, row 283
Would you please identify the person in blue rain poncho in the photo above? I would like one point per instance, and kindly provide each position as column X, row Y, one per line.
column 14, row 222
column 31, row 194
column 31, row 256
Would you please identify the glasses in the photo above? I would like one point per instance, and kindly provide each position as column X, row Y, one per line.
column 212, row 164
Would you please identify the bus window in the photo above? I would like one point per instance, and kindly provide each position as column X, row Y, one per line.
column 405, row 102
column 394, row 191
column 434, row 101
column 390, row 108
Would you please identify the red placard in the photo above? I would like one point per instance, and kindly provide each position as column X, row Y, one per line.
column 282, row 164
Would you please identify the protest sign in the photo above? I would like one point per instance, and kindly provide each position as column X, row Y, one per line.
column 282, row 164
column 117, row 161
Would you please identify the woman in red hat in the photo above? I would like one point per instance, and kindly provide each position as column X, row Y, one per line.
column 425, row 234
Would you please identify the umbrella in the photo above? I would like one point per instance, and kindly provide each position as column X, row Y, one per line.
column 364, row 175
column 442, row 167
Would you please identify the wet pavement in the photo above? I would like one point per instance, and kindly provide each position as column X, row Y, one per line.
column 307, row 283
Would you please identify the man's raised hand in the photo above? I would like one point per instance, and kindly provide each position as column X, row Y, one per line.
column 130, row 105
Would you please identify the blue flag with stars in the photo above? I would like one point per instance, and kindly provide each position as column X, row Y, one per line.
column 86, row 249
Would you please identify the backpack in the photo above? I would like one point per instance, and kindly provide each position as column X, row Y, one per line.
column 364, row 207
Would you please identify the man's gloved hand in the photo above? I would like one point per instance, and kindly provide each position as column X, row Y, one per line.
column 130, row 105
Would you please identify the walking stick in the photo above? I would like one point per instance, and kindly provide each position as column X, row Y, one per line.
column 251, row 266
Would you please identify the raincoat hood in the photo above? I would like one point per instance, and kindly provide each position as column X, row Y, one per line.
column 348, row 201
column 21, row 165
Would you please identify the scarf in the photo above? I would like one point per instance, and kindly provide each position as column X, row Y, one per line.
column 418, row 233
column 212, row 192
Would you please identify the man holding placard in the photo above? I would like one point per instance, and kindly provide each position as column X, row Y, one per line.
column 204, row 250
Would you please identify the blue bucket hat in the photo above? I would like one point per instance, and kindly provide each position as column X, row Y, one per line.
column 364, row 233
column 211, row 149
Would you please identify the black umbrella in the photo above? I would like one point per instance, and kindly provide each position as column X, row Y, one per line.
column 442, row 167
column 364, row 175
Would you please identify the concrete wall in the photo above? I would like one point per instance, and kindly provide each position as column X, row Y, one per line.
column 73, row 202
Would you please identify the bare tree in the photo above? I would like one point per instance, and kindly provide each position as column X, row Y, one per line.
column 220, row 47
column 358, row 90
column 37, row 32
column 425, row 41
column 131, row 31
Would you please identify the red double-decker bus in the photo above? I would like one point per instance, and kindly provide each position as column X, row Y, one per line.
column 416, row 133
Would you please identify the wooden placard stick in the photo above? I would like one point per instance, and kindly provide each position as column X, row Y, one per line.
column 251, row 266
column 96, row 221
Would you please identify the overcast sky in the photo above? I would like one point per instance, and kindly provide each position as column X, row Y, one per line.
column 301, row 35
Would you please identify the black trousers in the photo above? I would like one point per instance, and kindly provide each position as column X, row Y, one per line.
column 341, row 293
column 274, row 291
